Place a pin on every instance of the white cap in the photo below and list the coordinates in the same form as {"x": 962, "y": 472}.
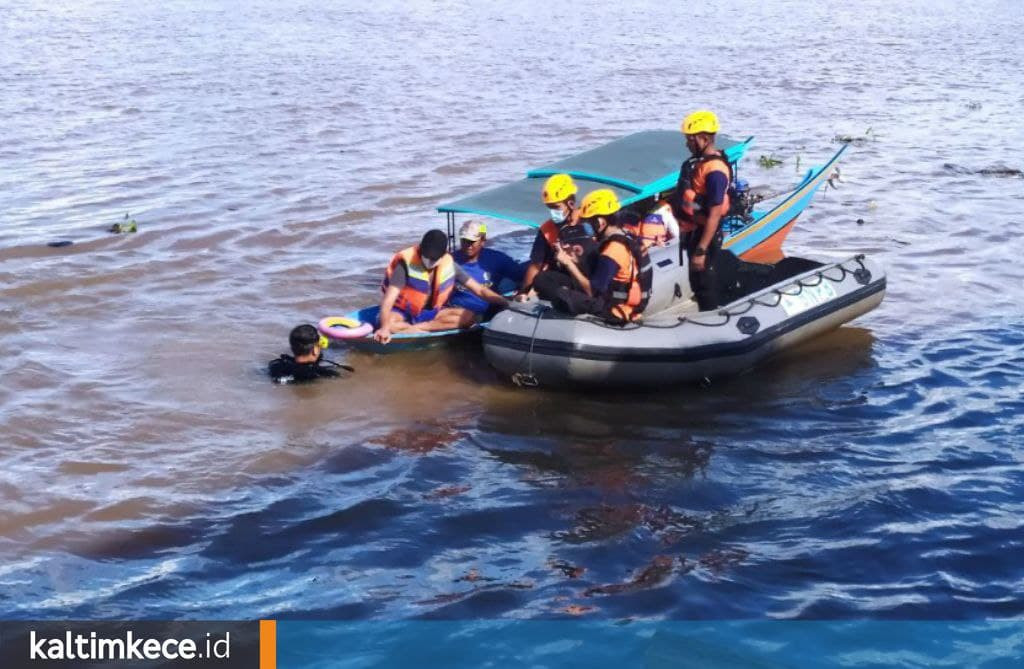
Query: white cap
{"x": 472, "y": 230}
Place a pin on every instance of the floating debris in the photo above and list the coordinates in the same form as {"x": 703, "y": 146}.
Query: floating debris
{"x": 834, "y": 178}
{"x": 570, "y": 570}
{"x": 769, "y": 161}
{"x": 654, "y": 574}
{"x": 856, "y": 139}
{"x": 995, "y": 171}
{"x": 127, "y": 225}
{"x": 1001, "y": 172}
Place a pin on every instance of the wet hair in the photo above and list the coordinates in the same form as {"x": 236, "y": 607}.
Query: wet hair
{"x": 303, "y": 338}
{"x": 434, "y": 245}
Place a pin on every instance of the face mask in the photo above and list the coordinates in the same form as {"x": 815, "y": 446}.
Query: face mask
{"x": 557, "y": 215}
{"x": 428, "y": 263}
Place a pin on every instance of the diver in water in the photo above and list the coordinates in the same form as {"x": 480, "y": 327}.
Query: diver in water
{"x": 305, "y": 363}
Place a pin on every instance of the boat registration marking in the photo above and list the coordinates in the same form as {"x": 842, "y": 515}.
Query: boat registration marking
{"x": 809, "y": 296}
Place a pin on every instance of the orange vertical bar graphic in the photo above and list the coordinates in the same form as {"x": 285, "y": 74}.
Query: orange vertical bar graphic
{"x": 268, "y": 644}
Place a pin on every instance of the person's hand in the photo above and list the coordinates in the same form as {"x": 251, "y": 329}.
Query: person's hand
{"x": 504, "y": 303}
{"x": 563, "y": 257}
{"x": 521, "y": 297}
{"x": 699, "y": 262}
{"x": 382, "y": 335}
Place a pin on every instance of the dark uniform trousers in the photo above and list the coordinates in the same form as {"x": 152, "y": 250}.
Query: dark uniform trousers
{"x": 704, "y": 284}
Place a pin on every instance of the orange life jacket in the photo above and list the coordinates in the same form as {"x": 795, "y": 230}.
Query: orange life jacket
{"x": 693, "y": 183}
{"x": 550, "y": 231}
{"x": 650, "y": 230}
{"x": 630, "y": 287}
{"x": 424, "y": 288}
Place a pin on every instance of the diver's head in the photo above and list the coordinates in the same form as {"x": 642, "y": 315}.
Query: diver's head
{"x": 305, "y": 342}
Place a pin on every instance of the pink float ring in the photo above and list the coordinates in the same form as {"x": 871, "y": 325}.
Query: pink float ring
{"x": 343, "y": 327}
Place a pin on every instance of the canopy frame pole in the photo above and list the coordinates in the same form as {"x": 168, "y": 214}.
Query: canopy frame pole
{"x": 450, "y": 215}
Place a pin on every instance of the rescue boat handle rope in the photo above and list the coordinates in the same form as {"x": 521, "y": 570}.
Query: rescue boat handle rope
{"x": 801, "y": 283}
{"x": 528, "y": 380}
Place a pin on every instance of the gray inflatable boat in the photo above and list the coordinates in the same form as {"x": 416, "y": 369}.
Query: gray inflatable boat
{"x": 770, "y": 308}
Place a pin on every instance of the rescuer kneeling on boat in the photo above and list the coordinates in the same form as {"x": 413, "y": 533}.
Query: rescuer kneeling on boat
{"x": 417, "y": 284}
{"x": 620, "y": 285}
{"x": 700, "y": 201}
{"x": 562, "y": 231}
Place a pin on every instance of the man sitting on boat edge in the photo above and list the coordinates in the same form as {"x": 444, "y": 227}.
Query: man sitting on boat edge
{"x": 561, "y": 231}
{"x": 620, "y": 285}
{"x": 417, "y": 284}
{"x": 488, "y": 267}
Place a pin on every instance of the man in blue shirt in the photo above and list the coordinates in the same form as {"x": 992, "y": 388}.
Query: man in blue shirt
{"x": 485, "y": 266}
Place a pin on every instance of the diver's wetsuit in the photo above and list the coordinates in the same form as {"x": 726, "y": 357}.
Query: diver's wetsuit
{"x": 286, "y": 370}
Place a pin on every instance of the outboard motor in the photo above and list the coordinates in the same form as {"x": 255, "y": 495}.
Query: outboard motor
{"x": 742, "y": 200}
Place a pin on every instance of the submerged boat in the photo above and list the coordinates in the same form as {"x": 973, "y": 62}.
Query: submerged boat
{"x": 772, "y": 307}
{"x": 640, "y": 168}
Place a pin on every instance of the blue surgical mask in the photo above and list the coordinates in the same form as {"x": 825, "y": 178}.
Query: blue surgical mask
{"x": 557, "y": 215}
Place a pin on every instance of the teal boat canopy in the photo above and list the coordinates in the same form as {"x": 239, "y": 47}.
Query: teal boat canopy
{"x": 518, "y": 202}
{"x": 636, "y": 160}
{"x": 635, "y": 167}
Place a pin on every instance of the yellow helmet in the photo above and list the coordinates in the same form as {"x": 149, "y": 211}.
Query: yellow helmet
{"x": 700, "y": 121}
{"x": 600, "y": 202}
{"x": 558, "y": 188}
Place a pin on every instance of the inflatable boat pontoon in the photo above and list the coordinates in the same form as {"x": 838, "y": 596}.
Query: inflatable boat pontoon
{"x": 773, "y": 306}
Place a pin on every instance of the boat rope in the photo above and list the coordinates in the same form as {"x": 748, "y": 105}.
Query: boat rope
{"x": 811, "y": 281}
{"x": 529, "y": 380}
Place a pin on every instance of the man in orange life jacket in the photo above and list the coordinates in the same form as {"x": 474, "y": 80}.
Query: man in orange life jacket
{"x": 700, "y": 202}
{"x": 619, "y": 287}
{"x": 563, "y": 230}
{"x": 651, "y": 230}
{"x": 417, "y": 284}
